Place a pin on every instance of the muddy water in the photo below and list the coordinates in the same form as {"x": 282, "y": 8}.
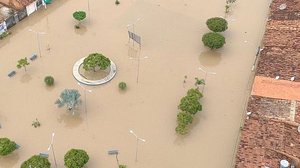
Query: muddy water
{"x": 172, "y": 48}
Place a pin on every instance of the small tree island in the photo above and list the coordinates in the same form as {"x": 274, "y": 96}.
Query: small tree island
{"x": 95, "y": 62}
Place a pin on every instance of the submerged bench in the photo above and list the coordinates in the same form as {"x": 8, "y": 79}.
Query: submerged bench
{"x": 11, "y": 74}
{"x": 33, "y": 57}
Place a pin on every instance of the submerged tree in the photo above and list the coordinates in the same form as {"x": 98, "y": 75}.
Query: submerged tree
{"x": 36, "y": 161}
{"x": 217, "y": 24}
{"x": 22, "y": 63}
{"x": 96, "y": 61}
{"x": 7, "y": 146}
{"x": 70, "y": 98}
{"x": 76, "y": 158}
{"x": 79, "y": 16}
{"x": 213, "y": 40}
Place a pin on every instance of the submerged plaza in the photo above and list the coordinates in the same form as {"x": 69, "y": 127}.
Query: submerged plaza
{"x": 149, "y": 83}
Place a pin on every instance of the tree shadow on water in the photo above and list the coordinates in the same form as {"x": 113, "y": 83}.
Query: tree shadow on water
{"x": 70, "y": 120}
{"x": 10, "y": 160}
{"x": 210, "y": 58}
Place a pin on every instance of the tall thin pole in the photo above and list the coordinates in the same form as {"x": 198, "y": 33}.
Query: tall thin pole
{"x": 137, "y": 144}
{"x": 136, "y": 149}
{"x": 85, "y": 108}
{"x": 53, "y": 155}
{"x": 205, "y": 76}
{"x": 204, "y": 81}
{"x": 39, "y": 45}
{"x": 51, "y": 147}
{"x": 138, "y": 69}
{"x": 89, "y": 10}
{"x": 117, "y": 160}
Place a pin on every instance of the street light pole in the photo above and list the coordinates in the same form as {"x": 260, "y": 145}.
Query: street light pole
{"x": 51, "y": 147}
{"x": 205, "y": 76}
{"x": 137, "y": 143}
{"x": 38, "y": 39}
{"x": 84, "y": 92}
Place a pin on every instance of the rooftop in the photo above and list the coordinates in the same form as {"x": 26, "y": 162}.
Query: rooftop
{"x": 270, "y": 132}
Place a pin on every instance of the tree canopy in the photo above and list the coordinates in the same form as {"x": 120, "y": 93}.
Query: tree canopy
{"x": 76, "y": 158}
{"x": 213, "y": 40}
{"x": 7, "y": 146}
{"x": 22, "y": 63}
{"x": 36, "y": 161}
{"x": 217, "y": 24}
{"x": 94, "y": 61}
{"x": 79, "y": 15}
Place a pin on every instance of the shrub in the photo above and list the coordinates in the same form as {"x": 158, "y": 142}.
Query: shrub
{"x": 217, "y": 24}
{"x": 122, "y": 85}
{"x": 7, "y": 146}
{"x": 36, "y": 161}
{"x": 76, "y": 158}
{"x": 94, "y": 61}
{"x": 213, "y": 40}
{"x": 194, "y": 93}
{"x": 184, "y": 118}
{"x": 190, "y": 104}
{"x": 181, "y": 129}
{"x": 79, "y": 16}
{"x": 49, "y": 80}
{"x": 117, "y": 2}
{"x": 22, "y": 63}
{"x": 4, "y": 34}
{"x": 122, "y": 166}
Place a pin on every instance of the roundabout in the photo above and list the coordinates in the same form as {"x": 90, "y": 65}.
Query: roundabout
{"x": 82, "y": 78}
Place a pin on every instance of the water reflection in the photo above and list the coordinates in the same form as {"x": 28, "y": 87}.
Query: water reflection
{"x": 210, "y": 58}
{"x": 70, "y": 120}
{"x": 81, "y": 30}
{"x": 26, "y": 78}
{"x": 132, "y": 52}
{"x": 10, "y": 160}
{"x": 180, "y": 139}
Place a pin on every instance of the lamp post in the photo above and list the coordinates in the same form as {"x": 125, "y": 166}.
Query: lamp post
{"x": 51, "y": 148}
{"x": 132, "y": 24}
{"x": 137, "y": 143}
{"x": 38, "y": 39}
{"x": 138, "y": 68}
{"x": 88, "y": 2}
{"x": 206, "y": 72}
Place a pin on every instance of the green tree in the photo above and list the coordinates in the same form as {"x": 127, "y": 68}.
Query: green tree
{"x": 190, "y": 104}
{"x": 213, "y": 40}
{"x": 7, "y": 146}
{"x": 76, "y": 158}
{"x": 181, "y": 129}
{"x": 94, "y": 61}
{"x": 194, "y": 93}
{"x": 217, "y": 24}
{"x": 70, "y": 98}
{"x": 122, "y": 85}
{"x": 22, "y": 63}
{"x": 36, "y": 161}
{"x": 184, "y": 118}
{"x": 49, "y": 80}
{"x": 79, "y": 16}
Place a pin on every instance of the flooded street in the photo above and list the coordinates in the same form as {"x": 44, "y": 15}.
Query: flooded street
{"x": 171, "y": 33}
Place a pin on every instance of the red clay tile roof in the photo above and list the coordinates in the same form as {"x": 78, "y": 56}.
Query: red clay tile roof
{"x": 271, "y": 134}
{"x": 16, "y": 4}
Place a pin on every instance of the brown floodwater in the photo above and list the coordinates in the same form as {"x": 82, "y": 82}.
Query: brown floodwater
{"x": 171, "y": 34}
